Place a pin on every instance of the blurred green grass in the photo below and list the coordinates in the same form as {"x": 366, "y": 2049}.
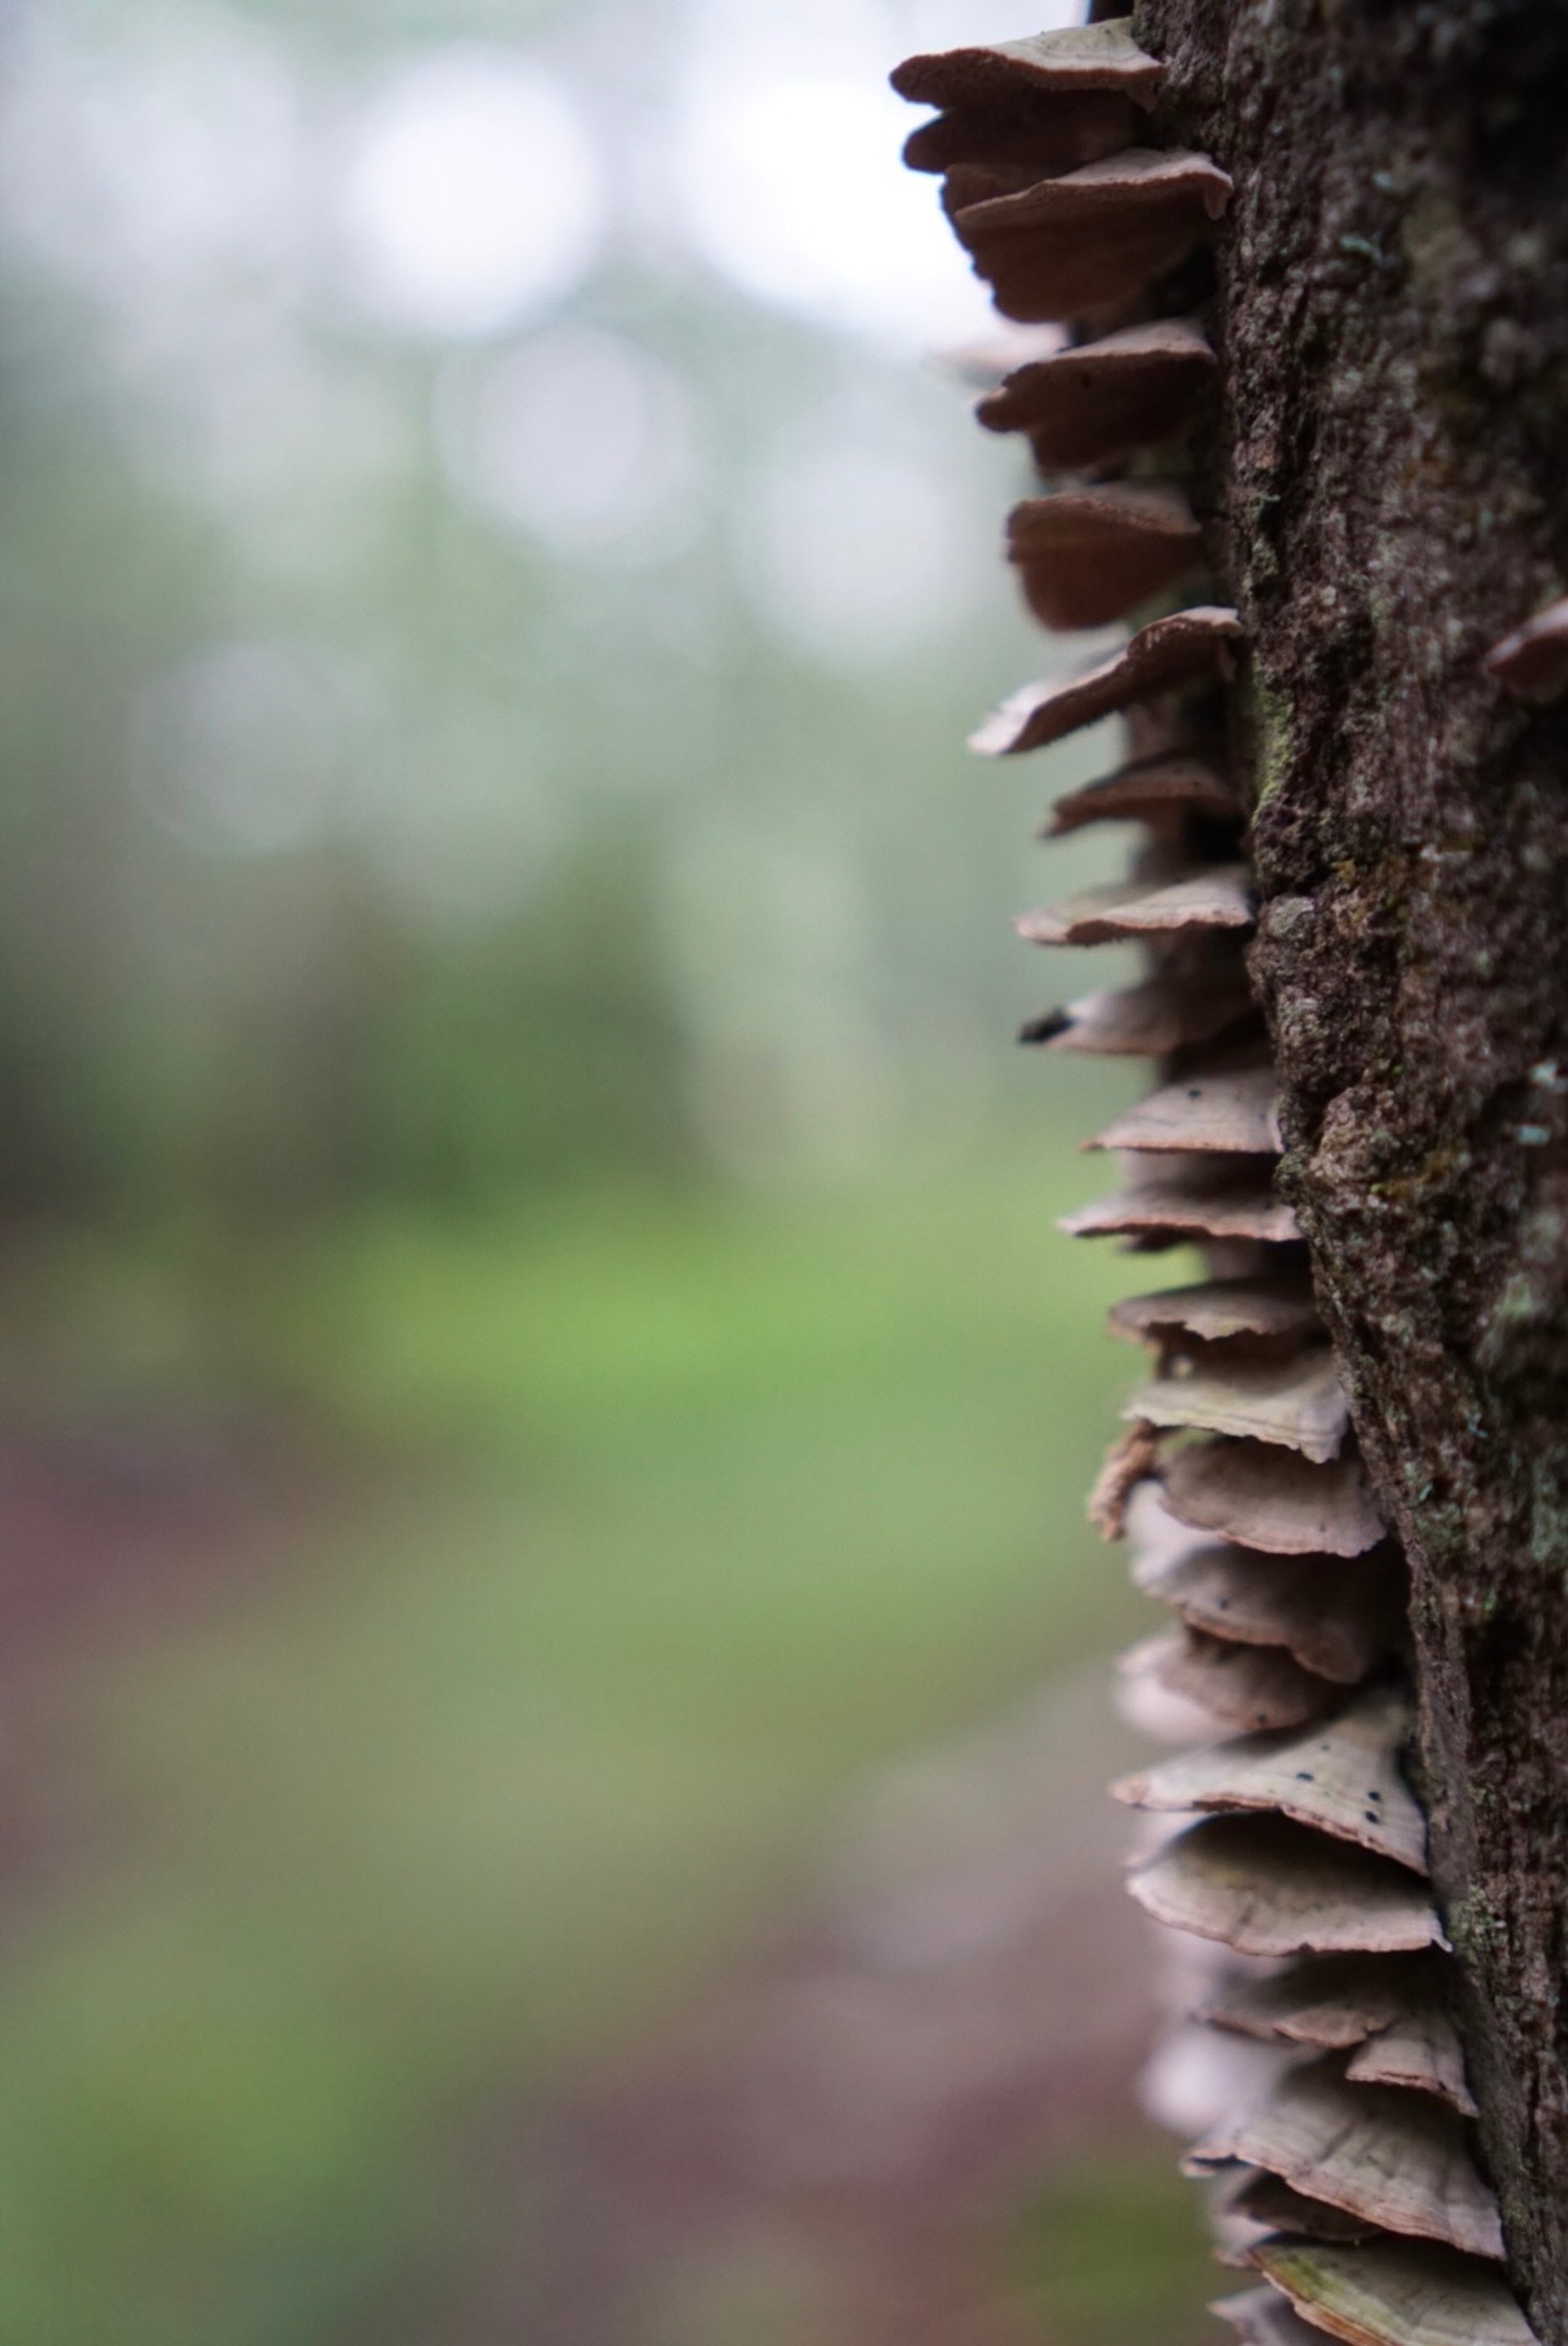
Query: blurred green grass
{"x": 686, "y": 1510}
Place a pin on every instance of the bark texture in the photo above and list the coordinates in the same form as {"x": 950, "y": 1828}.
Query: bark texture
{"x": 1392, "y": 467}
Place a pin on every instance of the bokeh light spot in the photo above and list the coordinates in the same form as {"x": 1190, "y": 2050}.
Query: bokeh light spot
{"x": 471, "y": 195}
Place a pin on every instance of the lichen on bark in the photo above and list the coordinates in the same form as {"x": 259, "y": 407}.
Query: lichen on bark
{"x": 1391, "y": 467}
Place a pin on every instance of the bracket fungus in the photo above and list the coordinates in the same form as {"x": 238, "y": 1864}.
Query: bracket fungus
{"x": 1169, "y": 655}
{"x": 1172, "y": 1199}
{"x": 1398, "y": 2160}
{"x": 1089, "y": 555}
{"x": 1218, "y": 1308}
{"x": 1342, "y": 1776}
{"x": 1351, "y": 2187}
{"x": 1339, "y": 1615}
{"x": 1299, "y": 1405}
{"x": 1533, "y": 662}
{"x": 1266, "y": 1886}
{"x": 1096, "y": 402}
{"x": 1215, "y": 897}
{"x": 1262, "y": 2317}
{"x": 1396, "y": 2293}
{"x": 1391, "y": 2015}
{"x": 1224, "y": 1110}
{"x": 1261, "y": 1496}
{"x": 1158, "y": 790}
{"x": 1092, "y": 238}
{"x": 1148, "y": 1020}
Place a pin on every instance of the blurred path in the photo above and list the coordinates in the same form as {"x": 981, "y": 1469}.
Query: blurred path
{"x": 834, "y": 2146}
{"x": 106, "y": 1533}
{"x": 838, "y": 2144}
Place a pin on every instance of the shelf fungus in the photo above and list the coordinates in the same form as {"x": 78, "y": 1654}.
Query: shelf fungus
{"x": 1266, "y": 1886}
{"x": 1163, "y": 791}
{"x": 1094, "y": 403}
{"x": 1263, "y": 2317}
{"x": 1341, "y": 1776}
{"x": 1392, "y": 2016}
{"x": 1346, "y": 2175}
{"x": 1086, "y": 557}
{"x": 1215, "y": 898}
{"x": 1089, "y": 238}
{"x": 1339, "y": 1615}
{"x": 1148, "y": 1020}
{"x": 1173, "y": 1199}
{"x": 1259, "y": 1495}
{"x": 1166, "y": 657}
{"x": 1533, "y": 662}
{"x": 1396, "y": 2293}
{"x": 1397, "y": 2160}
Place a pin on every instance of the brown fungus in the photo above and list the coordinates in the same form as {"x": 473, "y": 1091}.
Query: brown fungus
{"x": 1169, "y": 1199}
{"x": 1398, "y": 2160}
{"x": 1334, "y": 2003}
{"x": 1224, "y": 1107}
{"x": 1189, "y": 648}
{"x": 1298, "y": 1403}
{"x": 1219, "y": 1308}
{"x": 1094, "y": 237}
{"x": 1339, "y": 1615}
{"x": 1266, "y": 1886}
{"x": 1533, "y": 662}
{"x": 1089, "y": 555}
{"x": 1103, "y": 57}
{"x": 1096, "y": 403}
{"x": 1340, "y": 1776}
{"x": 1396, "y": 2293}
{"x": 1263, "y": 1497}
{"x": 1146, "y": 1021}
{"x": 1214, "y": 896}
{"x": 1163, "y": 791}
{"x": 1240, "y": 1687}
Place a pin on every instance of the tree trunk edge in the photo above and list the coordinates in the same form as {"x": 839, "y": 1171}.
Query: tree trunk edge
{"x": 1389, "y": 470}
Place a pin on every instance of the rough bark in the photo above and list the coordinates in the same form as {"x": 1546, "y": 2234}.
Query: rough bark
{"x": 1392, "y": 462}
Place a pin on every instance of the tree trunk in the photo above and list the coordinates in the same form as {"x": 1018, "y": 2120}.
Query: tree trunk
{"x": 1392, "y": 462}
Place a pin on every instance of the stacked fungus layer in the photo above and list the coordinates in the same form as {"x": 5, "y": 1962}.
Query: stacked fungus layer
{"x": 1313, "y": 2044}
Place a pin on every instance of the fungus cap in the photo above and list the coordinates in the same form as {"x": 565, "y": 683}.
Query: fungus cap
{"x": 1273, "y": 2205}
{"x": 1074, "y": 58}
{"x": 1188, "y": 647}
{"x": 1169, "y": 1199}
{"x": 1262, "y": 1496}
{"x": 1154, "y": 790}
{"x": 1243, "y": 1686}
{"x": 1042, "y": 131}
{"x": 1210, "y": 896}
{"x": 1298, "y": 1404}
{"x": 1218, "y": 1308}
{"x": 1396, "y": 2293}
{"x": 1094, "y": 237}
{"x": 1339, "y": 1616}
{"x": 1148, "y": 1021}
{"x": 1090, "y": 555}
{"x": 1266, "y": 1886}
{"x": 1227, "y": 1108}
{"x": 1333, "y": 2001}
{"x": 1420, "y": 2050}
{"x": 1340, "y": 1776}
{"x": 1533, "y": 662}
{"x": 1097, "y": 401}
{"x": 1398, "y": 2160}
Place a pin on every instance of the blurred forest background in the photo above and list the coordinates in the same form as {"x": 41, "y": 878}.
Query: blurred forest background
{"x": 545, "y": 1419}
